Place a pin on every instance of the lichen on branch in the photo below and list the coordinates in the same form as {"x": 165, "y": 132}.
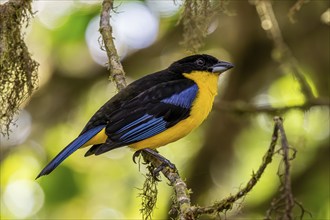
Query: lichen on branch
{"x": 195, "y": 19}
{"x": 117, "y": 73}
{"x": 18, "y": 76}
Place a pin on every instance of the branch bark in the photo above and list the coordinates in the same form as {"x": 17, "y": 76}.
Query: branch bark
{"x": 117, "y": 73}
{"x": 282, "y": 206}
{"x": 179, "y": 186}
{"x": 289, "y": 201}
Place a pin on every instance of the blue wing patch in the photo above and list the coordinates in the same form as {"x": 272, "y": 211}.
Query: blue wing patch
{"x": 136, "y": 132}
{"x": 134, "y": 123}
{"x": 183, "y": 99}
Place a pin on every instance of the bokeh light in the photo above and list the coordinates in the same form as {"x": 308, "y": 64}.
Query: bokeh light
{"x": 23, "y": 198}
{"x": 164, "y": 8}
{"x": 52, "y": 13}
{"x": 134, "y": 27}
{"x": 20, "y": 130}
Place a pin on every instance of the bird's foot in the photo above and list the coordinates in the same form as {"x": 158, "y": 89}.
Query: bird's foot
{"x": 164, "y": 162}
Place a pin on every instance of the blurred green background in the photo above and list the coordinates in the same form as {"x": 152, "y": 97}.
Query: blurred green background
{"x": 216, "y": 159}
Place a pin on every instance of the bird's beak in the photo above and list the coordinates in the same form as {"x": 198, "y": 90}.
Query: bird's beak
{"x": 221, "y": 67}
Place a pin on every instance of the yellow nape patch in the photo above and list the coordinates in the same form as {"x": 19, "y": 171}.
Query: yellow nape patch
{"x": 207, "y": 89}
{"x": 99, "y": 138}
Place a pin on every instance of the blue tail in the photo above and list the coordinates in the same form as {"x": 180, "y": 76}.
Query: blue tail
{"x": 68, "y": 150}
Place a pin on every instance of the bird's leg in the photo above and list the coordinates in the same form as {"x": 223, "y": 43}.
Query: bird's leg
{"x": 164, "y": 162}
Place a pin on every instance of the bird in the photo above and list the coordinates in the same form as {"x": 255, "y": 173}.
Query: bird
{"x": 153, "y": 111}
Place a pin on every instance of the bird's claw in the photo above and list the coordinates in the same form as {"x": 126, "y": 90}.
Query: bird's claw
{"x": 164, "y": 162}
{"x": 155, "y": 173}
{"x": 135, "y": 155}
{"x": 157, "y": 170}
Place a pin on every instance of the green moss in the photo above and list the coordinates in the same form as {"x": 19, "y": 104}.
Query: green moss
{"x": 149, "y": 195}
{"x": 18, "y": 76}
{"x": 195, "y": 18}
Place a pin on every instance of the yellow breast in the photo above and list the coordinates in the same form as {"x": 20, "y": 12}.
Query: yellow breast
{"x": 207, "y": 89}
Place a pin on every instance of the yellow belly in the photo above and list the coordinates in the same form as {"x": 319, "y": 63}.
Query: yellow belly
{"x": 207, "y": 89}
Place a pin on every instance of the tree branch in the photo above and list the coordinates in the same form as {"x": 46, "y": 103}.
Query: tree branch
{"x": 242, "y": 107}
{"x": 117, "y": 73}
{"x": 283, "y": 53}
{"x": 295, "y": 8}
{"x": 287, "y": 191}
{"x": 186, "y": 211}
{"x": 283, "y": 56}
{"x": 282, "y": 206}
{"x": 227, "y": 203}
{"x": 179, "y": 186}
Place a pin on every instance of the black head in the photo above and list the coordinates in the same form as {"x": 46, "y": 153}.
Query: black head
{"x": 199, "y": 62}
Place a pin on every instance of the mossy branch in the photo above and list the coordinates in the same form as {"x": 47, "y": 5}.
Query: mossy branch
{"x": 282, "y": 206}
{"x": 182, "y": 193}
{"x": 188, "y": 211}
{"x": 195, "y": 19}
{"x": 117, "y": 73}
{"x": 227, "y": 203}
{"x": 18, "y": 76}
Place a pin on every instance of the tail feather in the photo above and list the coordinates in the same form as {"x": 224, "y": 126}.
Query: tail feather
{"x": 68, "y": 150}
{"x": 92, "y": 150}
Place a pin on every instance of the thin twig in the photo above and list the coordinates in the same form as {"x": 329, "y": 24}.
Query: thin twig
{"x": 288, "y": 199}
{"x": 117, "y": 73}
{"x": 282, "y": 206}
{"x": 284, "y": 55}
{"x": 227, "y": 203}
{"x": 242, "y": 107}
{"x": 295, "y": 8}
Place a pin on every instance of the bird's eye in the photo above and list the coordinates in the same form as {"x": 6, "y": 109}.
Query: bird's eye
{"x": 200, "y": 62}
